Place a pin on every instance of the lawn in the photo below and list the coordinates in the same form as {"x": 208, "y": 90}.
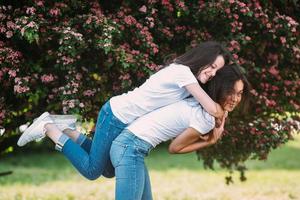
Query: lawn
{"x": 49, "y": 176}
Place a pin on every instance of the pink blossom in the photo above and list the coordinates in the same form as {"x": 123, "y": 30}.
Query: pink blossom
{"x": 81, "y": 105}
{"x": 120, "y": 14}
{"x": 2, "y": 29}
{"x": 283, "y": 40}
{"x": 31, "y": 24}
{"x": 78, "y": 76}
{"x": 254, "y": 92}
{"x": 181, "y": 4}
{"x": 135, "y": 52}
{"x": 235, "y": 16}
{"x": 30, "y": 10}
{"x": 155, "y": 50}
{"x": 231, "y": 1}
{"x": 242, "y": 4}
{"x": 9, "y": 34}
{"x": 140, "y": 74}
{"x": 71, "y": 104}
{"x": 54, "y": 12}
{"x": 2, "y": 114}
{"x": 67, "y": 60}
{"x": 12, "y": 73}
{"x": 40, "y": 3}
{"x": 130, "y": 20}
{"x": 89, "y": 93}
{"x": 20, "y": 89}
{"x": 270, "y": 103}
{"x": 235, "y": 56}
{"x": 243, "y": 10}
{"x": 152, "y": 66}
{"x": 89, "y": 20}
{"x": 247, "y": 38}
{"x": 273, "y": 71}
{"x": 143, "y": 9}
{"x": 287, "y": 82}
{"x": 125, "y": 77}
{"x": 274, "y": 88}
{"x": 47, "y": 78}
{"x": 10, "y": 25}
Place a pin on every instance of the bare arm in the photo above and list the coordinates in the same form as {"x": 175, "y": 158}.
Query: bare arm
{"x": 187, "y": 141}
{"x": 191, "y": 140}
{"x": 208, "y": 104}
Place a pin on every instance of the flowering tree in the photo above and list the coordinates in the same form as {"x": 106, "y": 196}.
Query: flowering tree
{"x": 71, "y": 56}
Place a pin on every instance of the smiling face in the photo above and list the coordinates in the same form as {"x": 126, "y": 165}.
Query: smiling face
{"x": 233, "y": 99}
{"x": 210, "y": 71}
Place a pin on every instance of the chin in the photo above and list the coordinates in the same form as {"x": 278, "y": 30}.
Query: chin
{"x": 203, "y": 81}
{"x": 229, "y": 109}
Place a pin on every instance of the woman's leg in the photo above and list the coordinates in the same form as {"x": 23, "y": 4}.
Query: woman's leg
{"x": 91, "y": 165}
{"x": 131, "y": 172}
{"x": 86, "y": 143}
{"x": 79, "y": 138}
{"x": 147, "y": 193}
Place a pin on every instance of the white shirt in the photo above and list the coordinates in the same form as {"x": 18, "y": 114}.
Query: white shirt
{"x": 162, "y": 88}
{"x": 168, "y": 122}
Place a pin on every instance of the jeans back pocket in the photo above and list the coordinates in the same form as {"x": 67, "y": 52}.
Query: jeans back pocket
{"x": 117, "y": 152}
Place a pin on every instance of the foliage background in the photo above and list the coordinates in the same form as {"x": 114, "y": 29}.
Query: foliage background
{"x": 71, "y": 56}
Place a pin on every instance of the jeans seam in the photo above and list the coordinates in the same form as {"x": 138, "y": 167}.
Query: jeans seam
{"x": 135, "y": 179}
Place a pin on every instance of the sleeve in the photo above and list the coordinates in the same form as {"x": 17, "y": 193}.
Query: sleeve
{"x": 183, "y": 75}
{"x": 202, "y": 121}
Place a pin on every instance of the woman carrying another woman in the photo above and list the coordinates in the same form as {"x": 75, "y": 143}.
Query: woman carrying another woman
{"x": 186, "y": 121}
{"x": 169, "y": 85}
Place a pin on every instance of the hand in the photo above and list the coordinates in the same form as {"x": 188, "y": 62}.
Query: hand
{"x": 219, "y": 120}
{"x": 217, "y": 132}
{"x": 220, "y": 111}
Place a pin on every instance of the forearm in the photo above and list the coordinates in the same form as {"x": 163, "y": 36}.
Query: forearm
{"x": 202, "y": 97}
{"x": 192, "y": 147}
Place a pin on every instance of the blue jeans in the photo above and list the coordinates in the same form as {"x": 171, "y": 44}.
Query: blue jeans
{"x": 91, "y": 158}
{"x": 127, "y": 155}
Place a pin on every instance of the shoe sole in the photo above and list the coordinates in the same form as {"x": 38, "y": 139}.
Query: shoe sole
{"x": 32, "y": 126}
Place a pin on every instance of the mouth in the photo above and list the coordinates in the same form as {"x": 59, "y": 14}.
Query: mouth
{"x": 231, "y": 106}
{"x": 208, "y": 77}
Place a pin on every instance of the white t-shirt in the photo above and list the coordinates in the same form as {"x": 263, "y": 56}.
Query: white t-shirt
{"x": 168, "y": 122}
{"x": 162, "y": 88}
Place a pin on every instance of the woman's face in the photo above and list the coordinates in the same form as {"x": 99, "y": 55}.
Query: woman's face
{"x": 235, "y": 97}
{"x": 210, "y": 71}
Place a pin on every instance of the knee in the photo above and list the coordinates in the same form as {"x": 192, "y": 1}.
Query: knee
{"x": 92, "y": 177}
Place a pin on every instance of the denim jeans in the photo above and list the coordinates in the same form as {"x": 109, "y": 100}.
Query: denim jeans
{"x": 132, "y": 179}
{"x": 91, "y": 158}
{"x": 86, "y": 143}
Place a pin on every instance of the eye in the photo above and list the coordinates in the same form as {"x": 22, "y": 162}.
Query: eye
{"x": 240, "y": 94}
{"x": 213, "y": 66}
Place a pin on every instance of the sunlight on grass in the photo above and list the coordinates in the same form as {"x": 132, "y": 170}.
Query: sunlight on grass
{"x": 49, "y": 176}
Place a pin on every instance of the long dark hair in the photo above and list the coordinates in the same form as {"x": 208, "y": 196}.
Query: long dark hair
{"x": 202, "y": 55}
{"x": 222, "y": 85}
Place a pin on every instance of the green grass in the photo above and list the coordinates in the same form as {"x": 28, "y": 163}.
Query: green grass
{"x": 49, "y": 176}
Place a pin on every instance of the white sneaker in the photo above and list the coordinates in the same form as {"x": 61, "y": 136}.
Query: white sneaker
{"x": 36, "y": 130}
{"x": 64, "y": 119}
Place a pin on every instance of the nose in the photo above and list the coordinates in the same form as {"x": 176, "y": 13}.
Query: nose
{"x": 213, "y": 73}
{"x": 234, "y": 98}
